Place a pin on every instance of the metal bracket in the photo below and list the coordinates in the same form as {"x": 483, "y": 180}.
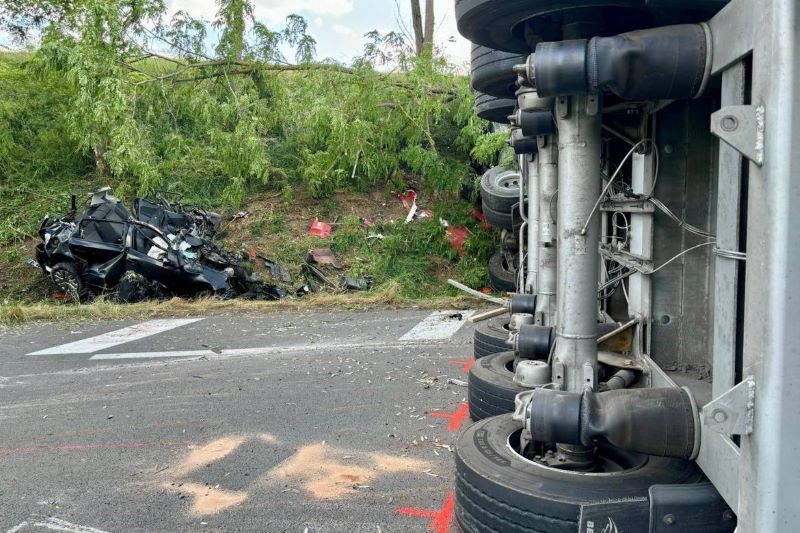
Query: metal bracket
{"x": 627, "y": 259}
{"x": 562, "y": 107}
{"x": 592, "y": 104}
{"x": 627, "y": 206}
{"x": 558, "y": 374}
{"x": 742, "y": 127}
{"x": 733, "y": 412}
{"x": 588, "y": 377}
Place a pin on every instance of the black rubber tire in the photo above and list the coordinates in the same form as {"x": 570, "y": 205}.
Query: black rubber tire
{"x": 490, "y": 336}
{"x": 516, "y": 26}
{"x": 68, "y": 279}
{"x": 500, "y": 190}
{"x": 491, "y": 71}
{"x": 492, "y": 389}
{"x": 509, "y": 221}
{"x": 494, "y": 109}
{"x": 497, "y": 490}
{"x": 502, "y": 275}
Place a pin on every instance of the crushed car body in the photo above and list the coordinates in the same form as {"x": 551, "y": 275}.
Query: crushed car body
{"x": 170, "y": 245}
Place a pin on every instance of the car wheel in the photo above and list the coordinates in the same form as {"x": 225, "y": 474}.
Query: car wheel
{"x": 66, "y": 277}
{"x": 492, "y": 389}
{"x": 490, "y": 336}
{"x": 500, "y": 190}
{"x": 498, "y": 489}
{"x": 502, "y": 273}
{"x": 494, "y": 109}
{"x": 491, "y": 71}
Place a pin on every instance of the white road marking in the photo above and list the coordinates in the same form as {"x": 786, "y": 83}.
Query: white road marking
{"x": 115, "y": 338}
{"x": 17, "y": 527}
{"x": 437, "y": 326}
{"x": 56, "y": 524}
{"x": 268, "y": 350}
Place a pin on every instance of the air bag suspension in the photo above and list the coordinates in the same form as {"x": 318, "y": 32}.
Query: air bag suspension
{"x": 661, "y": 422}
{"x": 660, "y": 63}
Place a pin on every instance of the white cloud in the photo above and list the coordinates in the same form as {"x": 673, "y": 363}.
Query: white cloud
{"x": 342, "y": 30}
{"x": 272, "y": 10}
{"x": 277, "y": 10}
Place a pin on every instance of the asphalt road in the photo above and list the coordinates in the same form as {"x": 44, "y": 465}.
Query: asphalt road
{"x": 297, "y": 422}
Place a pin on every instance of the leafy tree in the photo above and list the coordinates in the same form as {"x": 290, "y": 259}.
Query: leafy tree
{"x": 154, "y": 106}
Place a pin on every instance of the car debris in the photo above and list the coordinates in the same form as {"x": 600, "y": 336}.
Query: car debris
{"x": 278, "y": 272}
{"x": 169, "y": 246}
{"x": 356, "y": 284}
{"x": 320, "y": 229}
{"x": 323, "y": 256}
{"x": 409, "y": 201}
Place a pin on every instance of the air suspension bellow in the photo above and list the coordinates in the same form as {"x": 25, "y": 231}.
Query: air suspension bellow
{"x": 534, "y": 342}
{"x": 662, "y": 422}
{"x": 522, "y": 144}
{"x": 533, "y": 123}
{"x": 660, "y": 63}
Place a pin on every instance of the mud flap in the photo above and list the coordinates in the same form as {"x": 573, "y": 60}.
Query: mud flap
{"x": 619, "y": 516}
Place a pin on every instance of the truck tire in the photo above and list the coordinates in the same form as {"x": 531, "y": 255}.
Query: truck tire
{"x": 491, "y": 71}
{"x": 502, "y": 274}
{"x": 499, "y": 490}
{"x": 516, "y": 26}
{"x": 490, "y": 336}
{"x": 500, "y": 220}
{"x": 492, "y": 389}
{"x": 494, "y": 109}
{"x": 500, "y": 190}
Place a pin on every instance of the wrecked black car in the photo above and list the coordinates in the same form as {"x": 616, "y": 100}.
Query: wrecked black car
{"x": 163, "y": 248}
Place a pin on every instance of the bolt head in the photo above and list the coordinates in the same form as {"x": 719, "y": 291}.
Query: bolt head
{"x": 729, "y": 123}
{"x": 669, "y": 519}
{"x": 720, "y": 416}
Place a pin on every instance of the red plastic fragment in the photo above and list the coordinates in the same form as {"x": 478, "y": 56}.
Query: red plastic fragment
{"x": 457, "y": 236}
{"x": 320, "y": 229}
{"x": 481, "y": 218}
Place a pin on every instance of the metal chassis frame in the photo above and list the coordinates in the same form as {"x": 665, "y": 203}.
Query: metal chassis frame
{"x": 760, "y": 478}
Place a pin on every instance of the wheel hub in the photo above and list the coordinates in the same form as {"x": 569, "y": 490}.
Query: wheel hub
{"x": 602, "y": 460}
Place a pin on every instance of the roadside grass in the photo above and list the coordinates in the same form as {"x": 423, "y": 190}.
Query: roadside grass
{"x": 409, "y": 263}
{"x": 386, "y": 297}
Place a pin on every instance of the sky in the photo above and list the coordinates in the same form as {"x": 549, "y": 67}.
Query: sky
{"x": 339, "y": 25}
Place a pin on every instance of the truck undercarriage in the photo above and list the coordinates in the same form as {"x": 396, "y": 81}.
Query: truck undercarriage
{"x": 644, "y": 377}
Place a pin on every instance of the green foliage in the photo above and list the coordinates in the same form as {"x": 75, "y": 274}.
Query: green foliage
{"x": 101, "y": 102}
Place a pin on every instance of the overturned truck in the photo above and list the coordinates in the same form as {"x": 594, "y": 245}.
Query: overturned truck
{"x": 160, "y": 249}
{"x": 646, "y": 377}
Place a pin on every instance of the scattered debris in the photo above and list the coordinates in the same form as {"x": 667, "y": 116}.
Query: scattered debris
{"x": 323, "y": 256}
{"x": 278, "y": 272}
{"x": 320, "y": 229}
{"x": 458, "y": 382}
{"x": 409, "y": 201}
{"x": 310, "y": 271}
{"x": 356, "y": 284}
{"x": 457, "y": 235}
{"x": 240, "y": 215}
